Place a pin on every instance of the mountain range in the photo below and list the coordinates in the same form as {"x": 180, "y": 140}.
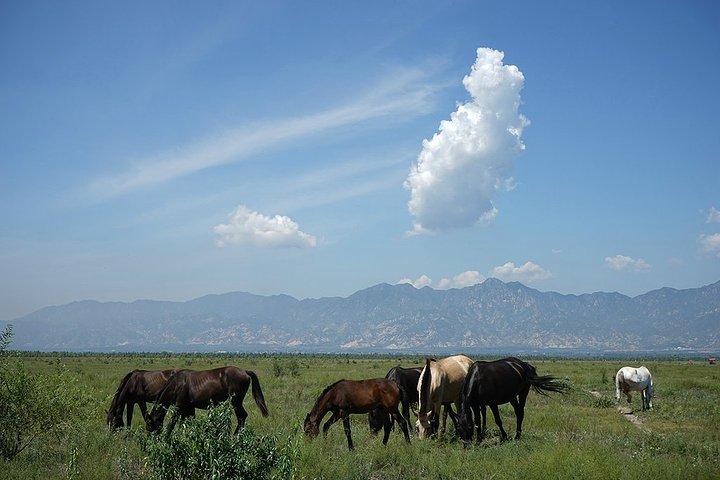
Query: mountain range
{"x": 492, "y": 316}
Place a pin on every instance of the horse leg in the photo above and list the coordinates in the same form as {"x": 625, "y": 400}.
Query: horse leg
{"x": 476, "y": 421}
{"x": 483, "y": 431}
{"x": 498, "y": 422}
{"x": 333, "y": 418}
{"x": 406, "y": 413}
{"x": 130, "y": 408}
{"x": 387, "y": 426}
{"x": 519, "y": 414}
{"x": 453, "y": 415}
{"x": 403, "y": 425}
{"x": 143, "y": 409}
{"x": 241, "y": 414}
{"x": 519, "y": 408}
{"x": 444, "y": 421}
{"x": 348, "y": 433}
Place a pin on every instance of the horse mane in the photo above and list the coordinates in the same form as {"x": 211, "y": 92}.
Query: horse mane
{"x": 424, "y": 387}
{"x": 322, "y": 394}
{"x": 116, "y": 396}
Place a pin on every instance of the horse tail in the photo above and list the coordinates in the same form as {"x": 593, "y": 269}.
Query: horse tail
{"x": 547, "y": 383}
{"x": 258, "y": 394}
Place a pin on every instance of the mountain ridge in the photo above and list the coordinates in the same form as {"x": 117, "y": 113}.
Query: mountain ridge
{"x": 491, "y": 315}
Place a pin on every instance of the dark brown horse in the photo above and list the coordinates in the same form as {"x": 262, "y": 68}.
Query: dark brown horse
{"x": 494, "y": 383}
{"x": 189, "y": 389}
{"x": 137, "y": 387}
{"x": 355, "y": 396}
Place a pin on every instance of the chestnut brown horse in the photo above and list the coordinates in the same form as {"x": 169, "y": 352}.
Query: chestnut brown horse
{"x": 345, "y": 397}
{"x": 137, "y": 387}
{"x": 494, "y": 383}
{"x": 189, "y": 389}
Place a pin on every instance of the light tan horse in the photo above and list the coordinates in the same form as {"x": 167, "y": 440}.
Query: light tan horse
{"x": 440, "y": 383}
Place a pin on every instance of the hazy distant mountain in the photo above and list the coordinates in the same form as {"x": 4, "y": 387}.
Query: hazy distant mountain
{"x": 491, "y": 316}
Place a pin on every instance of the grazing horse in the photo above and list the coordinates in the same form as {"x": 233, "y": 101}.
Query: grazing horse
{"x": 189, "y": 389}
{"x": 495, "y": 383}
{"x": 356, "y": 396}
{"x": 138, "y": 386}
{"x": 630, "y": 379}
{"x": 406, "y": 380}
{"x": 440, "y": 383}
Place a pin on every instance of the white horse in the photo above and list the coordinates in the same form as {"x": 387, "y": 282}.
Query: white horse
{"x": 630, "y": 379}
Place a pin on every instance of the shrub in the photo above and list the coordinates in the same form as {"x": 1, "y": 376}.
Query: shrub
{"x": 33, "y": 406}
{"x": 204, "y": 447}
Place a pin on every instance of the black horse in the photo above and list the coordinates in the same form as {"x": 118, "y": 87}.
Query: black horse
{"x": 189, "y": 389}
{"x": 406, "y": 380}
{"x": 495, "y": 383}
{"x": 137, "y": 387}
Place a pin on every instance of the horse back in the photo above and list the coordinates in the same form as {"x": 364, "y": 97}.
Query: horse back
{"x": 447, "y": 377}
{"x": 498, "y": 381}
{"x": 407, "y": 379}
{"x": 363, "y": 396}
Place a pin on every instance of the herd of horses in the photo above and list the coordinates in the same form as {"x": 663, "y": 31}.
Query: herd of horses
{"x": 470, "y": 386}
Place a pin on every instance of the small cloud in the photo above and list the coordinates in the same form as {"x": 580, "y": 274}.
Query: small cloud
{"x": 461, "y": 280}
{"x": 246, "y": 227}
{"x": 623, "y": 262}
{"x": 676, "y": 262}
{"x": 528, "y": 272}
{"x": 420, "y": 282}
{"x": 713, "y": 216}
{"x": 710, "y": 244}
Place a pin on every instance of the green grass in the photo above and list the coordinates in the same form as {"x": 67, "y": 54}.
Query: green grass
{"x": 572, "y": 436}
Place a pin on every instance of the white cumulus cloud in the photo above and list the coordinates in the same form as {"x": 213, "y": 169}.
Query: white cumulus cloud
{"x": 246, "y": 227}
{"x": 461, "y": 280}
{"x": 528, "y": 272}
{"x": 420, "y": 282}
{"x": 469, "y": 159}
{"x": 710, "y": 243}
{"x": 623, "y": 262}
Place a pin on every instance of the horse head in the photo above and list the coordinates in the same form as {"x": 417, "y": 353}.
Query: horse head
{"x": 376, "y": 420}
{"x": 312, "y": 429}
{"x": 465, "y": 425}
{"x": 154, "y": 419}
{"x": 114, "y": 419}
{"x": 424, "y": 425}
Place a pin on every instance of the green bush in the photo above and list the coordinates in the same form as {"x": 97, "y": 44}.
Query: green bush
{"x": 34, "y": 407}
{"x": 204, "y": 447}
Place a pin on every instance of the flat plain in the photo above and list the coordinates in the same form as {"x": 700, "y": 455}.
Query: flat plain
{"x": 581, "y": 434}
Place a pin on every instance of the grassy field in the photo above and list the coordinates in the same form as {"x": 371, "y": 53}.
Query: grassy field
{"x": 578, "y": 435}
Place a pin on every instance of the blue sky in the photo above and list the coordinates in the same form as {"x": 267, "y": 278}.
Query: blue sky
{"x": 169, "y": 150}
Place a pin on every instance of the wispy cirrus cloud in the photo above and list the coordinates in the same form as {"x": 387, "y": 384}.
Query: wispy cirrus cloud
{"x": 406, "y": 93}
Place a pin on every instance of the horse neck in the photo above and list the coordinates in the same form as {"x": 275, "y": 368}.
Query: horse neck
{"x": 320, "y": 408}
